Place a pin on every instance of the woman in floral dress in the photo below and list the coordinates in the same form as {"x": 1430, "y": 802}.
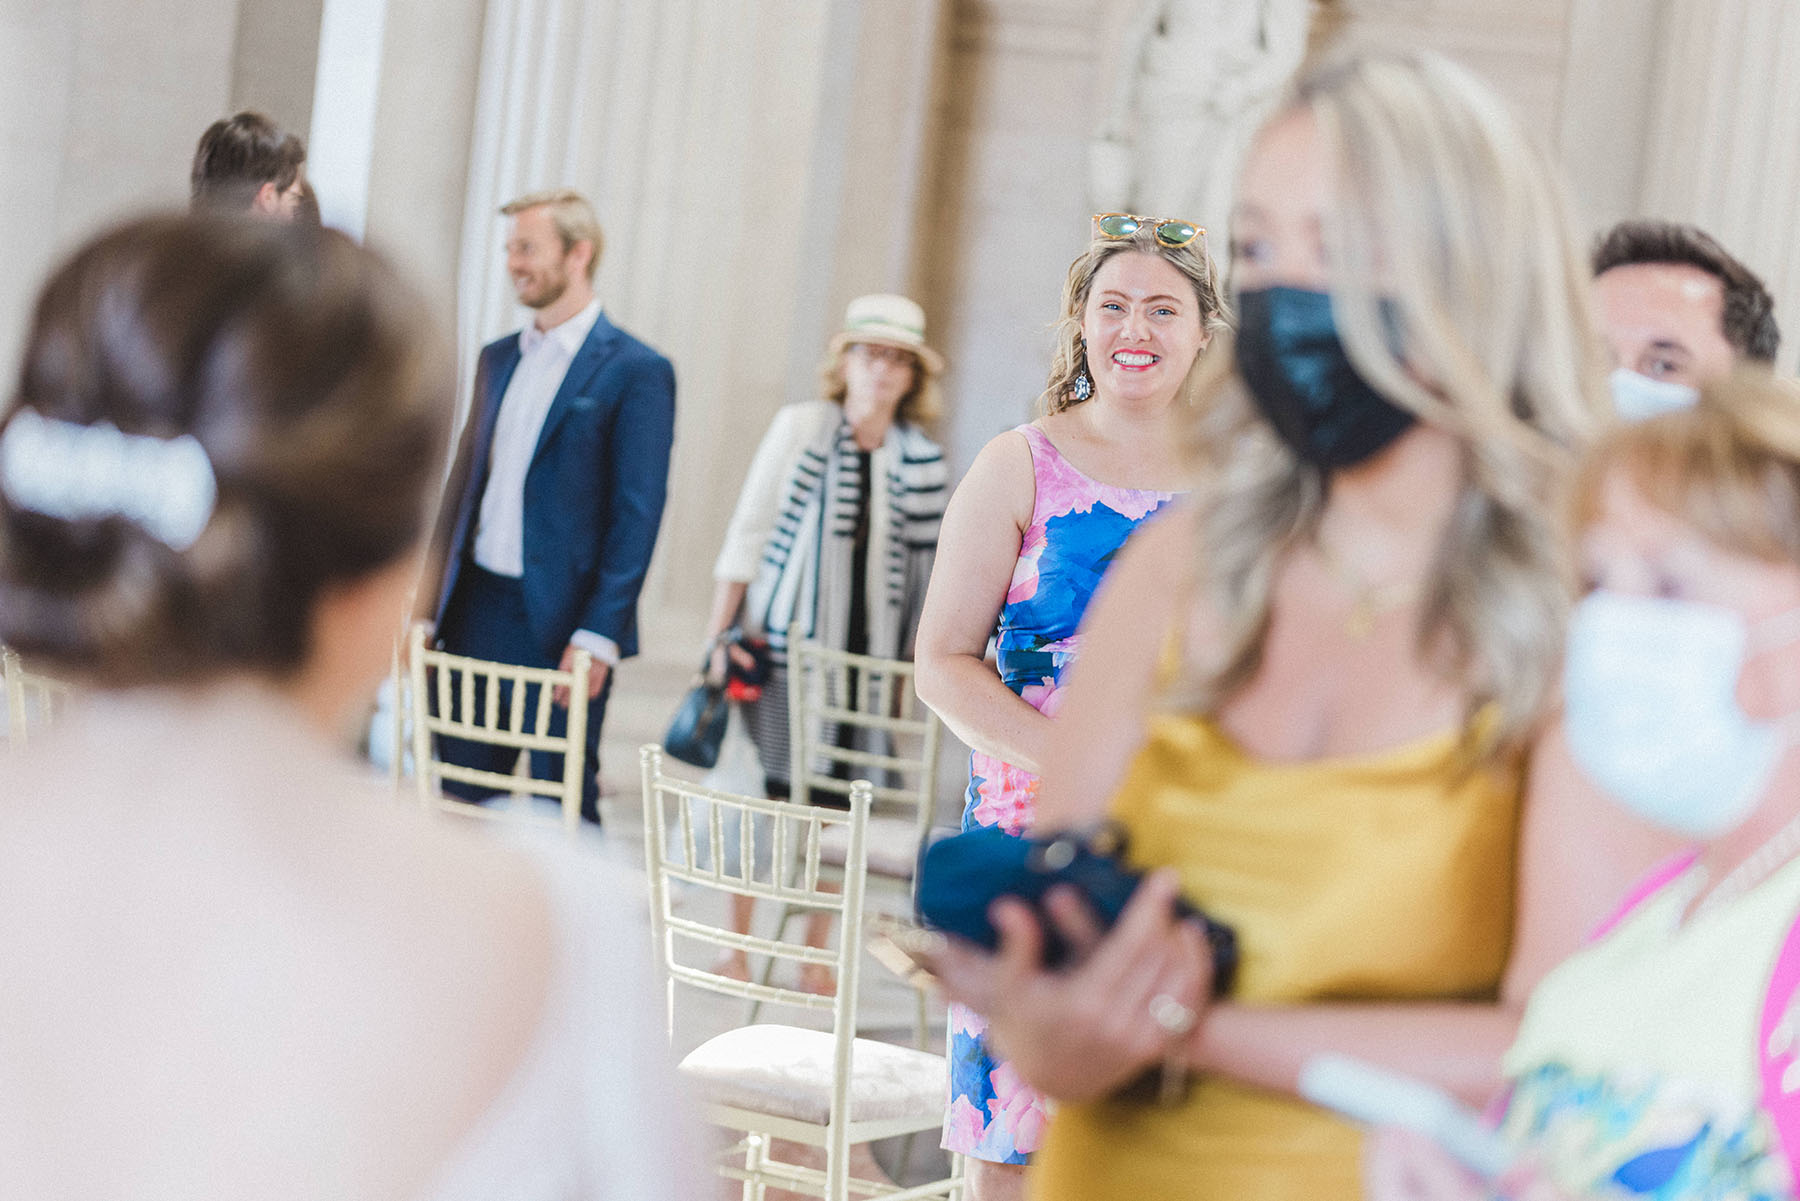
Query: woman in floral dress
{"x": 1026, "y": 539}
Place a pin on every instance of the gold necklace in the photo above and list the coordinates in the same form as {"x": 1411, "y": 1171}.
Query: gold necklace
{"x": 1369, "y": 602}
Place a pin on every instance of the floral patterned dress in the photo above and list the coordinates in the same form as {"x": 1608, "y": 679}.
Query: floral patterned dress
{"x": 1077, "y": 527}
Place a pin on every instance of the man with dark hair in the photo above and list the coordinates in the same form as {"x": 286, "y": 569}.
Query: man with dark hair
{"x": 247, "y": 163}
{"x": 1676, "y": 309}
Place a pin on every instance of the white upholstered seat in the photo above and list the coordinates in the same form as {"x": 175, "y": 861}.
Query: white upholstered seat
{"x": 893, "y": 847}
{"x": 787, "y": 1071}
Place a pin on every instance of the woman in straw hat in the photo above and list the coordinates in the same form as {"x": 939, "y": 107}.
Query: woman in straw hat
{"x": 837, "y": 523}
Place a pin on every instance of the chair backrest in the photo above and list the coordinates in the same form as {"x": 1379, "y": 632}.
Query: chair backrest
{"x": 504, "y": 705}
{"x": 858, "y": 716}
{"x": 687, "y": 829}
{"x": 32, "y": 699}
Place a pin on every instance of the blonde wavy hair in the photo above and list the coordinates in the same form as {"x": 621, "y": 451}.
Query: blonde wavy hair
{"x": 1070, "y": 359}
{"x": 1445, "y": 201}
{"x": 1729, "y": 467}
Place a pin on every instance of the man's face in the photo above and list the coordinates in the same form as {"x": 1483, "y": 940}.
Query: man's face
{"x": 536, "y": 260}
{"x": 1662, "y": 320}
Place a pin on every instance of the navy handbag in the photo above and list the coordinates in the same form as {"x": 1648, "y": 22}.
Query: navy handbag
{"x": 960, "y": 876}
{"x": 698, "y": 728}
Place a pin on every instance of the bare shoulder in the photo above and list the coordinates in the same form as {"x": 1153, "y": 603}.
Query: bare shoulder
{"x": 1149, "y": 601}
{"x": 1113, "y": 685}
{"x": 1001, "y": 479}
{"x": 1158, "y": 561}
{"x": 1006, "y": 456}
{"x": 1579, "y": 854}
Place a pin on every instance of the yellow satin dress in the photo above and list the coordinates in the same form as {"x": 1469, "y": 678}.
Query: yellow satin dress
{"x": 1386, "y": 876}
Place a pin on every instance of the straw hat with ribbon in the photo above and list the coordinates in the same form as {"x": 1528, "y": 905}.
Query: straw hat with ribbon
{"x": 887, "y": 320}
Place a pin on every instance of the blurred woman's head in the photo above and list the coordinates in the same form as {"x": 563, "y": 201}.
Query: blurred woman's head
{"x": 1683, "y": 658}
{"x": 1404, "y": 188}
{"x": 881, "y": 359}
{"x": 1401, "y": 255}
{"x": 217, "y": 424}
{"x": 1176, "y": 288}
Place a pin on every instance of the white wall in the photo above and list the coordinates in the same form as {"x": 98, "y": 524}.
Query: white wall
{"x": 424, "y": 119}
{"x": 100, "y": 105}
{"x": 273, "y": 63}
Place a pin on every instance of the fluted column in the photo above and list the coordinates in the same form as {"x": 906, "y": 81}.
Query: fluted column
{"x": 1723, "y": 144}
{"x": 723, "y": 144}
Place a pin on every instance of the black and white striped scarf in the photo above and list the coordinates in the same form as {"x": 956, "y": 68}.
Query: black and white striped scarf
{"x": 804, "y": 576}
{"x": 804, "y": 579}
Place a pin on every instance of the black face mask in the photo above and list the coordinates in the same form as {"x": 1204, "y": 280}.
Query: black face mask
{"x": 1289, "y": 353}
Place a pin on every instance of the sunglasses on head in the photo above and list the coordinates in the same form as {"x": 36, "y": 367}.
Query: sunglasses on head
{"x": 1170, "y": 231}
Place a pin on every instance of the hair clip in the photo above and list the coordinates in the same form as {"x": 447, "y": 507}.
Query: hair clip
{"x": 86, "y": 472}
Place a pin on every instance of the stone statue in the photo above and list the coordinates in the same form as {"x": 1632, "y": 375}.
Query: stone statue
{"x": 1191, "y": 79}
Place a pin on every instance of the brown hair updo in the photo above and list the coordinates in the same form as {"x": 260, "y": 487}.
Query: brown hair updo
{"x": 320, "y": 392}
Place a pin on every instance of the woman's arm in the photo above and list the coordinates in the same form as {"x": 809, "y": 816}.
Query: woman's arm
{"x": 754, "y": 516}
{"x": 1579, "y": 855}
{"x": 1112, "y": 684}
{"x": 1455, "y": 1045}
{"x": 978, "y": 548}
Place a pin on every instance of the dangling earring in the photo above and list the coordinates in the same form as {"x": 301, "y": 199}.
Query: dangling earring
{"x": 1084, "y": 387}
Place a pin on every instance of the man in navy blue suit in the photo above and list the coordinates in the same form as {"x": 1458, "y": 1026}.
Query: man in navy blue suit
{"x": 551, "y": 510}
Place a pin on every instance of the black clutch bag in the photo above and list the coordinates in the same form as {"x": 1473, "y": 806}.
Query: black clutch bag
{"x": 960, "y": 876}
{"x": 698, "y": 728}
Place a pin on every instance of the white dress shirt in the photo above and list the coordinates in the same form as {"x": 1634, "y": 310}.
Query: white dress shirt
{"x": 544, "y": 357}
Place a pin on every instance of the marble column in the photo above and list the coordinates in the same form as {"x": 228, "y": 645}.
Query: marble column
{"x": 692, "y": 126}
{"x": 100, "y": 106}
{"x": 1722, "y": 147}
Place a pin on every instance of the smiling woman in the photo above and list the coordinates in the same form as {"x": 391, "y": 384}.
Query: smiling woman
{"x": 1027, "y": 537}
{"x": 1308, "y": 696}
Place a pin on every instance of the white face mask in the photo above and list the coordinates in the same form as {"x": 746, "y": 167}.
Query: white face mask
{"x": 1637, "y": 397}
{"x": 1651, "y": 712}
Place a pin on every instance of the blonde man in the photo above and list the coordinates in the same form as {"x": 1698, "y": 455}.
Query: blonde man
{"x": 551, "y": 511}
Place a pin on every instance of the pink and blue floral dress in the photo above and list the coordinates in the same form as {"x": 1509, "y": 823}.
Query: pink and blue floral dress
{"x": 1078, "y": 526}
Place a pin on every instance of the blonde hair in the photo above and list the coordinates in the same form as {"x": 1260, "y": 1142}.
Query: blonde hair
{"x": 1729, "y": 467}
{"x": 1443, "y": 199}
{"x": 572, "y": 215}
{"x": 1070, "y": 359}
{"x": 922, "y": 405}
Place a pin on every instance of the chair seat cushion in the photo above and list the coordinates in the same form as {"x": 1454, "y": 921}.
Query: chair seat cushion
{"x": 893, "y": 844}
{"x": 785, "y": 1072}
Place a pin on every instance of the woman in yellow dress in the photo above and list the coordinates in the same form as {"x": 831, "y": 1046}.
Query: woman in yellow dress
{"x": 1311, "y": 694}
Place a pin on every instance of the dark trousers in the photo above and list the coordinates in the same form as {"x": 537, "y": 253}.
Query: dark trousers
{"x": 485, "y": 619}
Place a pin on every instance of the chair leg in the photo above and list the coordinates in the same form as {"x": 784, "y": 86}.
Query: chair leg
{"x": 837, "y": 1164}
{"x": 921, "y": 1020}
{"x": 756, "y": 1155}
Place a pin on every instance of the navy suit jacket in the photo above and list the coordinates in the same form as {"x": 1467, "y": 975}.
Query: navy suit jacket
{"x": 594, "y": 491}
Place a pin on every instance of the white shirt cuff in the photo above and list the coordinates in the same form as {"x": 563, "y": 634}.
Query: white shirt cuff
{"x": 598, "y": 645}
